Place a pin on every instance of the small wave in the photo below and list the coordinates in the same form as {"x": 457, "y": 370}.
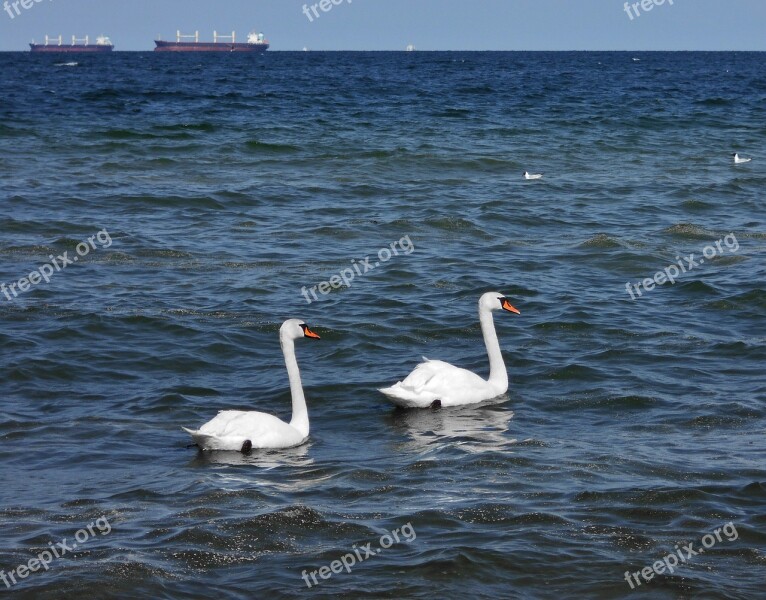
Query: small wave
{"x": 267, "y": 148}
{"x": 753, "y": 299}
{"x": 478, "y": 89}
{"x": 454, "y": 113}
{"x": 690, "y": 231}
{"x": 162, "y": 253}
{"x": 602, "y": 240}
{"x": 105, "y": 94}
{"x": 174, "y": 201}
{"x": 206, "y": 127}
{"x": 27, "y": 250}
{"x": 453, "y": 224}
{"x": 6, "y": 131}
{"x": 714, "y": 102}
{"x": 693, "y": 204}
{"x": 697, "y": 286}
{"x": 67, "y": 64}
{"x": 131, "y": 134}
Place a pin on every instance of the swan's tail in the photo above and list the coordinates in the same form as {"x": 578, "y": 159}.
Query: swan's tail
{"x": 406, "y": 398}
{"x": 205, "y": 442}
{"x": 391, "y": 392}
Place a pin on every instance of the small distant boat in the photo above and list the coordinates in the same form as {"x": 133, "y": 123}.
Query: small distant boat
{"x": 103, "y": 44}
{"x": 410, "y": 48}
{"x": 256, "y": 42}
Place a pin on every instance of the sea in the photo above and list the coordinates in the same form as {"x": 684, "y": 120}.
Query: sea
{"x": 162, "y": 215}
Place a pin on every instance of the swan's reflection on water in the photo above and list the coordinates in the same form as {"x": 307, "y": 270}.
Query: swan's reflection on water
{"x": 290, "y": 470}
{"x": 477, "y": 428}
{"x": 261, "y": 459}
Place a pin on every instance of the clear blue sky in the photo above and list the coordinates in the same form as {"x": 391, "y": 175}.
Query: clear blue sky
{"x": 392, "y": 24}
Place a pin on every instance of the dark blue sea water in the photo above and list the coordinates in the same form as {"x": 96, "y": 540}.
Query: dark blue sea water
{"x": 215, "y": 188}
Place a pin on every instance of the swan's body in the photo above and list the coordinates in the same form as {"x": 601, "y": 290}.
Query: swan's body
{"x": 529, "y": 176}
{"x": 437, "y": 383}
{"x": 242, "y": 431}
{"x": 739, "y": 161}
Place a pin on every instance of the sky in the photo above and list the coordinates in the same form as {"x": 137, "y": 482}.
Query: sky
{"x": 393, "y": 24}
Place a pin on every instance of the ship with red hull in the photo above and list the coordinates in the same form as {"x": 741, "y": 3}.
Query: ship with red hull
{"x": 255, "y": 43}
{"x": 57, "y": 45}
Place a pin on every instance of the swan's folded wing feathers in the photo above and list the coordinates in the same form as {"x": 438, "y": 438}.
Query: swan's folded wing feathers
{"x": 230, "y": 428}
{"x": 442, "y": 380}
{"x": 249, "y": 425}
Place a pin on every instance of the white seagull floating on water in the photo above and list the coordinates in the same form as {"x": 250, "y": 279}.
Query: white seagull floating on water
{"x": 528, "y": 176}
{"x": 739, "y": 161}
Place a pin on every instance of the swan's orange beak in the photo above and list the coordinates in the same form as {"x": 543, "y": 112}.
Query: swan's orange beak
{"x": 308, "y": 333}
{"x": 509, "y": 307}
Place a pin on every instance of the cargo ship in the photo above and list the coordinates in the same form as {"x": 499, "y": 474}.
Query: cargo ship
{"x": 255, "y": 43}
{"x": 103, "y": 44}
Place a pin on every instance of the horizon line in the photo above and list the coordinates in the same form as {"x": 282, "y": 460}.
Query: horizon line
{"x": 301, "y": 50}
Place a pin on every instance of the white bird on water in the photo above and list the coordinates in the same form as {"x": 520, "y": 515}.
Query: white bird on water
{"x": 528, "y": 175}
{"x": 242, "y": 431}
{"x": 738, "y": 160}
{"x": 435, "y": 383}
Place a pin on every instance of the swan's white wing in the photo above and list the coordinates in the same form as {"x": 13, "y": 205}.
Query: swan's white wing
{"x": 230, "y": 428}
{"x": 438, "y": 380}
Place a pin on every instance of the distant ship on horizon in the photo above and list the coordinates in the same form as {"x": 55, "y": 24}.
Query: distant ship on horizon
{"x": 256, "y": 42}
{"x": 103, "y": 44}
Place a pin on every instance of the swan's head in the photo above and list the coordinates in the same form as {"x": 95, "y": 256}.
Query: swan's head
{"x": 294, "y": 329}
{"x": 496, "y": 301}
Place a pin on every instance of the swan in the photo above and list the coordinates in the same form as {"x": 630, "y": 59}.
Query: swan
{"x": 528, "y": 176}
{"x": 739, "y": 160}
{"x": 242, "y": 431}
{"x": 434, "y": 383}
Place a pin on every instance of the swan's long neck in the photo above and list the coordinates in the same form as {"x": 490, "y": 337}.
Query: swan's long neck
{"x": 498, "y": 375}
{"x": 300, "y": 420}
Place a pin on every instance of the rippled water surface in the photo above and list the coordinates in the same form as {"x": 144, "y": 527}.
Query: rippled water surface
{"x": 224, "y": 185}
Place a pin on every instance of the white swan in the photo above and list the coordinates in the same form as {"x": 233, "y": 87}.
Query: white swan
{"x": 242, "y": 431}
{"x": 435, "y": 383}
{"x": 528, "y": 175}
{"x": 738, "y": 160}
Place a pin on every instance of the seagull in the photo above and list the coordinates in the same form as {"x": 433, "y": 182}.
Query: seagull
{"x": 739, "y": 161}
{"x": 528, "y": 176}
